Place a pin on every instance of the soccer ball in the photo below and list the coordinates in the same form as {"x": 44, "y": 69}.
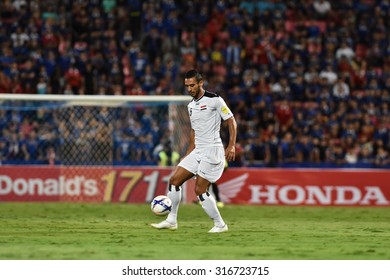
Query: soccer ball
{"x": 161, "y": 205}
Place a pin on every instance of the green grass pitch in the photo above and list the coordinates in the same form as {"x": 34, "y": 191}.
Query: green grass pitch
{"x": 49, "y": 231}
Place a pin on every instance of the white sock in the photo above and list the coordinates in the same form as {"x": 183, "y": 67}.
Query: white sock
{"x": 210, "y": 207}
{"x": 174, "y": 193}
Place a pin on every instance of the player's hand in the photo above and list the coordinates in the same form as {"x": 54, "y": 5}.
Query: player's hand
{"x": 230, "y": 153}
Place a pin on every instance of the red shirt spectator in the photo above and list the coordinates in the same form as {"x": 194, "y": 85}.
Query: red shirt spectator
{"x": 5, "y": 83}
{"x": 284, "y": 113}
{"x": 262, "y": 52}
{"x": 50, "y": 40}
{"x": 74, "y": 78}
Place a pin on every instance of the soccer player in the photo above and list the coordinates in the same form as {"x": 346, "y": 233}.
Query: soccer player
{"x": 205, "y": 157}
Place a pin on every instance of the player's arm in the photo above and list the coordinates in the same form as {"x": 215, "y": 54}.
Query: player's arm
{"x": 191, "y": 145}
{"x": 230, "y": 152}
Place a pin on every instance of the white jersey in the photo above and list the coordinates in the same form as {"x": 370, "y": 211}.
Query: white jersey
{"x": 206, "y": 114}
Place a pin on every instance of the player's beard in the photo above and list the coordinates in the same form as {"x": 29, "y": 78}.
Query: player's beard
{"x": 197, "y": 93}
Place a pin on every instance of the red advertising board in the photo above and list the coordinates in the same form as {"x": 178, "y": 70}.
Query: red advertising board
{"x": 322, "y": 187}
{"x": 78, "y": 183}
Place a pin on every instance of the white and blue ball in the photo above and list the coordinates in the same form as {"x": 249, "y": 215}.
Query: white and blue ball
{"x": 161, "y": 205}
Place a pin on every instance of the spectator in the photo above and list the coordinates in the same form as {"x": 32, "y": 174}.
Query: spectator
{"x": 322, "y": 8}
{"x": 341, "y": 90}
{"x": 344, "y": 51}
{"x": 74, "y": 78}
{"x": 287, "y": 152}
{"x": 5, "y": 83}
{"x": 382, "y": 157}
{"x": 168, "y": 157}
{"x": 328, "y": 74}
{"x": 3, "y": 150}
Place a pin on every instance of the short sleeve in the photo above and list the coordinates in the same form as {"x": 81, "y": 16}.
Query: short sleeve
{"x": 223, "y": 109}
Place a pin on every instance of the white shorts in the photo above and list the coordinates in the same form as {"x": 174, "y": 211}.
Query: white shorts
{"x": 207, "y": 163}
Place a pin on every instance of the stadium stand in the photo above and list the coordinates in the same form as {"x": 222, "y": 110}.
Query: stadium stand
{"x": 308, "y": 81}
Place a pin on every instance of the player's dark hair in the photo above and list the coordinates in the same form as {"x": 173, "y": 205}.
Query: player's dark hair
{"x": 194, "y": 74}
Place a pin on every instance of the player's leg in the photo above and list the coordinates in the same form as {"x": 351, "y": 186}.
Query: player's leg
{"x": 209, "y": 171}
{"x": 209, "y": 205}
{"x": 174, "y": 191}
{"x": 183, "y": 172}
{"x": 215, "y": 190}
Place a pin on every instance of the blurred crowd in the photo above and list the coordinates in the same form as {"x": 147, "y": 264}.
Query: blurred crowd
{"x": 308, "y": 81}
